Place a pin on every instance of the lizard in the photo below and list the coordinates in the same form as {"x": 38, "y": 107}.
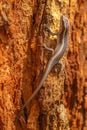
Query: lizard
{"x": 57, "y": 54}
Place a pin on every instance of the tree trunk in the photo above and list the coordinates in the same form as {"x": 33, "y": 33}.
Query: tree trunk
{"x": 61, "y": 102}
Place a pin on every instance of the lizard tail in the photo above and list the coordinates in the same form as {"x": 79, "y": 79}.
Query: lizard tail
{"x": 48, "y": 69}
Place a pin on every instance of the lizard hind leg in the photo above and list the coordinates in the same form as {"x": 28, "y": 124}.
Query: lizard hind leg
{"x": 61, "y": 65}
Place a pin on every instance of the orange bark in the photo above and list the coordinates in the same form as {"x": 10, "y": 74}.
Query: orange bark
{"x": 62, "y": 101}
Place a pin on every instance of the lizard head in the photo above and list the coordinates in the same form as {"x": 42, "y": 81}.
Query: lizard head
{"x": 65, "y": 22}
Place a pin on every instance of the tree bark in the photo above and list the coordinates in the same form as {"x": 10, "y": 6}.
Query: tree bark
{"x": 61, "y": 103}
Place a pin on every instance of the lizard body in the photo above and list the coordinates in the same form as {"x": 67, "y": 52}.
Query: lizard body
{"x": 57, "y": 54}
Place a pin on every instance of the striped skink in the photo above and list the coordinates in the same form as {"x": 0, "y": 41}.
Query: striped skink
{"x": 56, "y": 55}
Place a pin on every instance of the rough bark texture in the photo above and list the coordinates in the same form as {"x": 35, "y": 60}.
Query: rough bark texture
{"x": 62, "y": 102}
